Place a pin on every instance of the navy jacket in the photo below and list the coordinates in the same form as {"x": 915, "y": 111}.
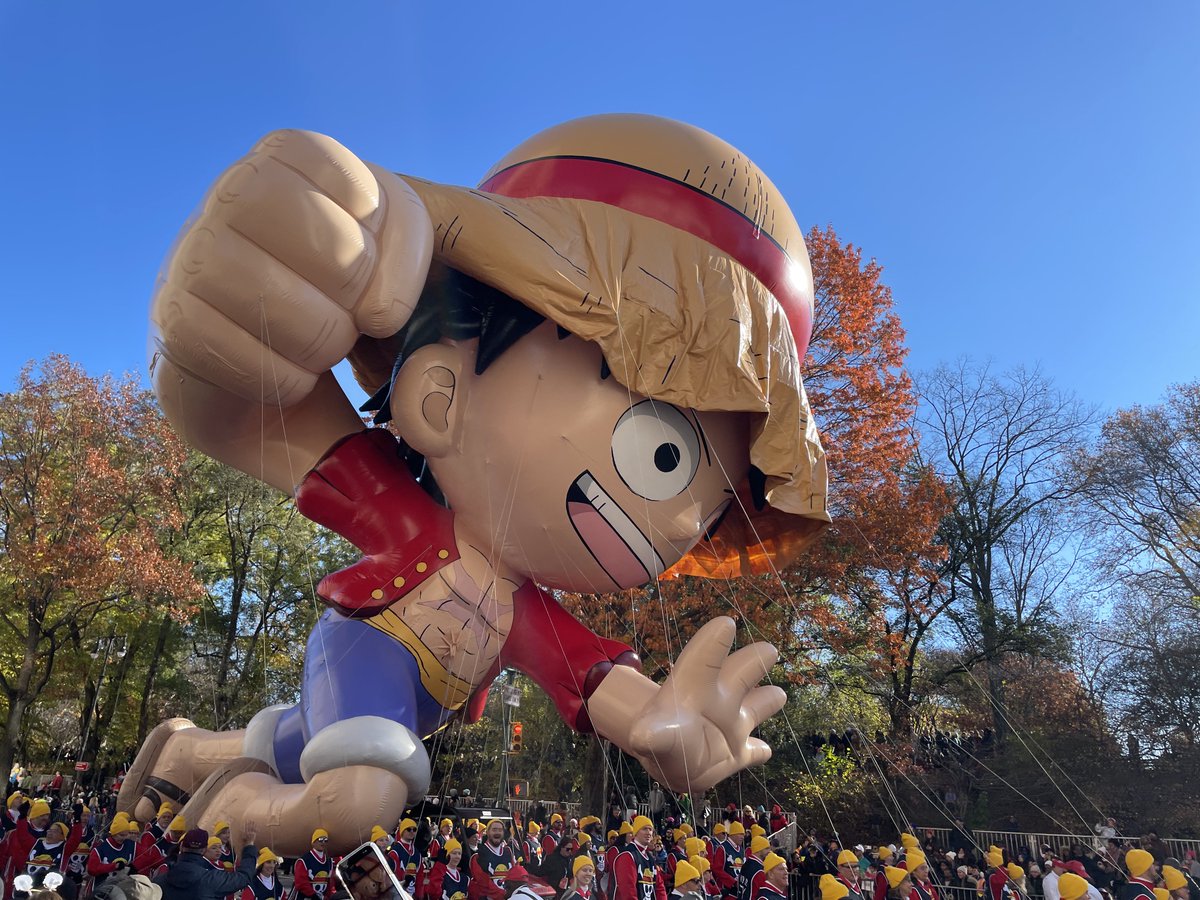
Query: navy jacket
{"x": 192, "y": 878}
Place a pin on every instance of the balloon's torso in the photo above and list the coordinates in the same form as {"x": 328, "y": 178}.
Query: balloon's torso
{"x": 454, "y": 623}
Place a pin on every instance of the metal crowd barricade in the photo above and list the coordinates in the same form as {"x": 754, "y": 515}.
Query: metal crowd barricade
{"x": 1032, "y": 841}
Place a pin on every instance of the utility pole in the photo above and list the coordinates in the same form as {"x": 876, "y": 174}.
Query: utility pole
{"x": 511, "y": 698}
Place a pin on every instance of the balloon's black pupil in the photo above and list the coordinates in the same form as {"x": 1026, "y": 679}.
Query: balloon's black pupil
{"x": 666, "y": 457}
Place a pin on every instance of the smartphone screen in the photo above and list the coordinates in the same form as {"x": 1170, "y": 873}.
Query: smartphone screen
{"x": 364, "y": 873}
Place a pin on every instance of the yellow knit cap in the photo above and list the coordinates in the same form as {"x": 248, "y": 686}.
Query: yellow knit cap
{"x": 885, "y": 853}
{"x": 626, "y": 828}
{"x": 1015, "y": 871}
{"x": 894, "y": 875}
{"x": 1138, "y": 861}
{"x": 165, "y": 808}
{"x": 756, "y": 830}
{"x": 215, "y": 841}
{"x": 178, "y": 825}
{"x": 318, "y": 833}
{"x": 1071, "y": 886}
{"x": 406, "y": 824}
{"x": 702, "y": 865}
{"x": 1173, "y": 878}
{"x": 759, "y": 844}
{"x": 39, "y": 808}
{"x": 580, "y": 861}
{"x": 1162, "y": 894}
{"x": 378, "y": 834}
{"x": 719, "y": 828}
{"x": 685, "y": 872}
{"x": 451, "y": 846}
{"x": 533, "y": 828}
{"x": 914, "y": 858}
{"x": 995, "y": 858}
{"x": 831, "y": 888}
{"x": 641, "y": 822}
{"x": 266, "y": 855}
{"x": 693, "y": 846}
{"x": 737, "y": 828}
{"x": 847, "y": 858}
{"x": 120, "y": 824}
{"x": 909, "y": 842}
{"x": 771, "y": 861}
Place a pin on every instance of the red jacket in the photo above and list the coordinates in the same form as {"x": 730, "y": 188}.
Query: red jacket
{"x": 716, "y": 861}
{"x": 625, "y": 876}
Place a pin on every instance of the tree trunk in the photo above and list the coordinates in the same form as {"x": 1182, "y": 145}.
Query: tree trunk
{"x": 593, "y": 776}
{"x": 12, "y": 732}
{"x": 20, "y": 693}
{"x": 104, "y": 717}
{"x": 160, "y": 645}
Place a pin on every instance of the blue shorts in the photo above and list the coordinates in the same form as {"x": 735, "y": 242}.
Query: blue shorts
{"x": 352, "y": 669}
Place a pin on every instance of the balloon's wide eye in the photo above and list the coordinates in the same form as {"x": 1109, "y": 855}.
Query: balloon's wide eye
{"x": 656, "y": 450}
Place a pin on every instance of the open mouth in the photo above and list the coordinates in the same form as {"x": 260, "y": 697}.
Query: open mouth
{"x": 620, "y": 548}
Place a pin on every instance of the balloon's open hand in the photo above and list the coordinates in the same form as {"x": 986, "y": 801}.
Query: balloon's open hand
{"x": 693, "y": 730}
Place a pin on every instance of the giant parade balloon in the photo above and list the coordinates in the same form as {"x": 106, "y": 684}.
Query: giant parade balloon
{"x": 585, "y": 374}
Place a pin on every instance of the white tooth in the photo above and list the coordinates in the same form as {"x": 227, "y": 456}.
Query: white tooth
{"x": 621, "y": 524}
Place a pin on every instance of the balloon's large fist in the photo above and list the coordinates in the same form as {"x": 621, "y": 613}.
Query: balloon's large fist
{"x": 694, "y": 729}
{"x": 296, "y": 251}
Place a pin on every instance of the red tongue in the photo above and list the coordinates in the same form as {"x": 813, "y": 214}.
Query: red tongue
{"x": 606, "y": 545}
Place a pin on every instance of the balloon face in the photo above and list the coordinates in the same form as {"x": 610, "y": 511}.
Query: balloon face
{"x": 572, "y": 477}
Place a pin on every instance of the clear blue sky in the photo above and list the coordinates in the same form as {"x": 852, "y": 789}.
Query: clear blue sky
{"x": 1026, "y": 172}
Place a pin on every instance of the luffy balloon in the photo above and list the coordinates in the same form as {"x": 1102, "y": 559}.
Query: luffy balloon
{"x": 585, "y": 375}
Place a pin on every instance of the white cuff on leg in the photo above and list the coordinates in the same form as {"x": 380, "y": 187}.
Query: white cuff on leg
{"x": 369, "y": 741}
{"x": 259, "y": 741}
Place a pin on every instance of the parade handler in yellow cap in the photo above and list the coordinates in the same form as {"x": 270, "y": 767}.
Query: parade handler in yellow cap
{"x": 635, "y": 872}
{"x": 592, "y": 366}
{"x": 312, "y": 872}
{"x": 1143, "y": 875}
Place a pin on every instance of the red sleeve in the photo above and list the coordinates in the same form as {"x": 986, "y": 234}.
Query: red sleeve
{"x": 881, "y": 887}
{"x": 97, "y": 866}
{"x": 997, "y": 881}
{"x": 625, "y": 877}
{"x": 660, "y": 887}
{"x": 548, "y": 845}
{"x": 721, "y": 875}
{"x": 433, "y": 884}
{"x": 303, "y": 879}
{"x": 74, "y": 836}
{"x": 146, "y": 859}
{"x": 246, "y": 894}
{"x": 756, "y": 884}
{"x": 22, "y": 841}
{"x": 481, "y": 881}
{"x": 565, "y": 658}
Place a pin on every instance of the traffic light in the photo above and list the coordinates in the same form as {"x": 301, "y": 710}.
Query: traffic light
{"x": 516, "y": 737}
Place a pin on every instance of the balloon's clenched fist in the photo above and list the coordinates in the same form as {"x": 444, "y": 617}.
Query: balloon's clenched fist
{"x": 297, "y": 250}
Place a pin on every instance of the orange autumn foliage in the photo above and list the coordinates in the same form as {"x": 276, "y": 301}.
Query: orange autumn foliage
{"x": 88, "y": 477}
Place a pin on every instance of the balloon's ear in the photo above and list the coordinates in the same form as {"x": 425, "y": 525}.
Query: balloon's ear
{"x": 427, "y": 398}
